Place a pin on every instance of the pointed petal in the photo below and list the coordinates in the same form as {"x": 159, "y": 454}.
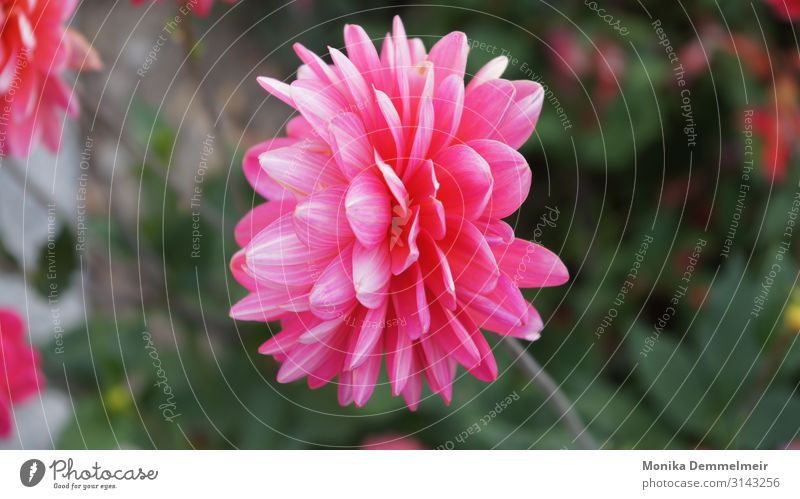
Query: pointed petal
{"x": 518, "y": 123}
{"x": 259, "y": 218}
{"x": 448, "y": 105}
{"x": 301, "y": 169}
{"x": 277, "y": 88}
{"x": 492, "y": 70}
{"x": 449, "y": 56}
{"x": 366, "y": 375}
{"x": 399, "y": 357}
{"x": 369, "y": 324}
{"x": 530, "y": 265}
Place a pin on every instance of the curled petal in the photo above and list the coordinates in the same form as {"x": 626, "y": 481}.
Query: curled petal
{"x": 466, "y": 181}
{"x": 523, "y": 114}
{"x": 371, "y": 274}
{"x": 511, "y": 175}
{"x": 368, "y": 208}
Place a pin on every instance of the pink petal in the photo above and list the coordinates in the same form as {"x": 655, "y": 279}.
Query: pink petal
{"x": 333, "y": 295}
{"x": 399, "y": 357}
{"x": 436, "y": 272}
{"x": 424, "y": 132}
{"x": 301, "y": 169}
{"x": 361, "y": 51}
{"x": 366, "y": 375}
{"x": 530, "y": 330}
{"x": 466, "y": 181}
{"x": 440, "y": 367}
{"x": 413, "y": 390}
{"x": 520, "y": 120}
{"x": 448, "y": 105}
{"x": 495, "y": 231}
{"x": 403, "y": 243}
{"x": 501, "y": 309}
{"x": 277, "y": 88}
{"x": 530, "y": 265}
{"x": 485, "y": 106}
{"x": 410, "y": 303}
{"x": 277, "y": 255}
{"x": 240, "y": 272}
{"x": 263, "y": 305}
{"x": 511, "y": 174}
{"x": 453, "y": 338}
{"x": 257, "y": 177}
{"x": 368, "y": 208}
{"x": 302, "y": 360}
{"x": 319, "y": 104}
{"x": 369, "y": 324}
{"x": 469, "y": 256}
{"x": 353, "y": 150}
{"x": 360, "y": 94}
{"x": 320, "y": 219}
{"x": 449, "y": 56}
{"x": 492, "y": 70}
{"x": 259, "y": 218}
{"x": 371, "y": 274}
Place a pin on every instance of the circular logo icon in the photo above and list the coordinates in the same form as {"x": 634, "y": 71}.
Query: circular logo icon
{"x": 31, "y": 472}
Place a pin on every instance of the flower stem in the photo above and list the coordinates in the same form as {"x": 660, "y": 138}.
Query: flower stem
{"x": 564, "y": 408}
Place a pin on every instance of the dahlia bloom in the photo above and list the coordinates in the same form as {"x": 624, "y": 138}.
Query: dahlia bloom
{"x": 20, "y": 376}
{"x": 35, "y": 49}
{"x": 383, "y": 231}
{"x": 199, "y": 7}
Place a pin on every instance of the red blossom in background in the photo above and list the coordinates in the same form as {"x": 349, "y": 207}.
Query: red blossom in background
{"x": 20, "y": 376}
{"x": 35, "y": 50}
{"x": 383, "y": 233}
{"x": 778, "y": 126}
{"x": 787, "y": 9}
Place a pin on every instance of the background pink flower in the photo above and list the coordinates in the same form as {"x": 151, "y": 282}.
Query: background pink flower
{"x": 20, "y": 376}
{"x": 35, "y": 49}
{"x": 199, "y": 7}
{"x": 383, "y": 233}
{"x": 391, "y": 441}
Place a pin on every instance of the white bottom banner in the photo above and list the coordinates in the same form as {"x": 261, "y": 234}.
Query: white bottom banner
{"x": 388, "y": 474}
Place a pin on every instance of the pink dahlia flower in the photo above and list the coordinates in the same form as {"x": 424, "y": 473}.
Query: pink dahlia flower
{"x": 383, "y": 231}
{"x": 20, "y": 376}
{"x": 35, "y": 49}
{"x": 199, "y": 7}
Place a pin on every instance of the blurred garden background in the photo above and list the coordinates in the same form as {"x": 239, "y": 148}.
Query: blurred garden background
{"x": 665, "y": 175}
